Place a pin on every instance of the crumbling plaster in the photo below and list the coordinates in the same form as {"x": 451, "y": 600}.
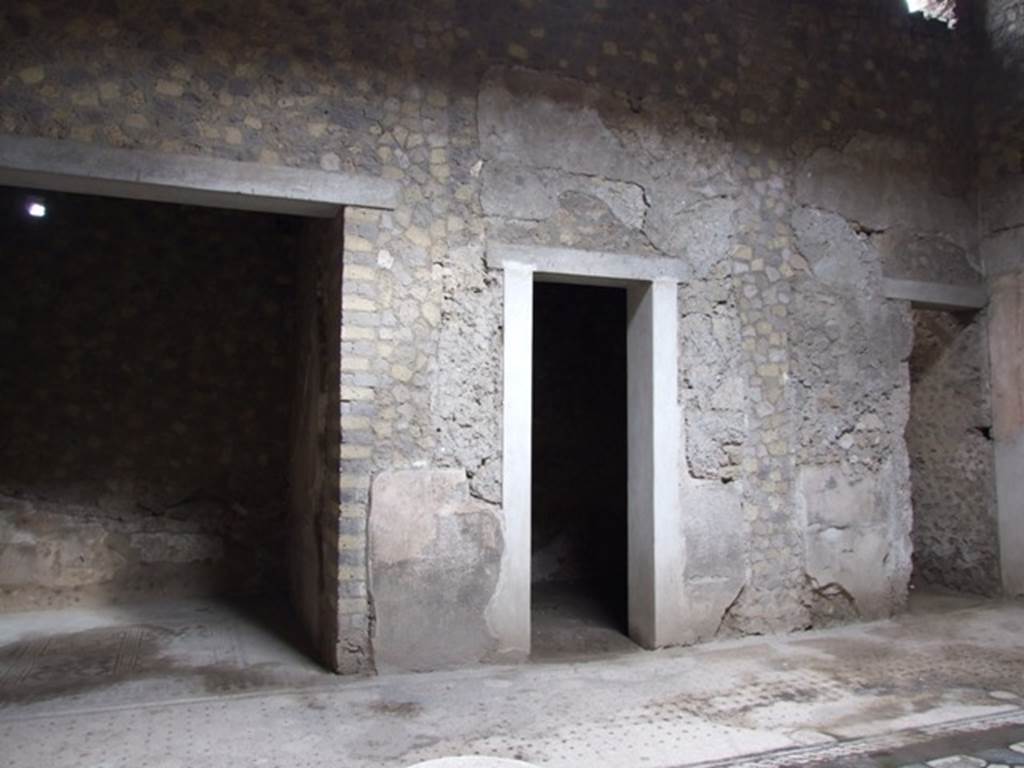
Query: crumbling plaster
{"x": 778, "y": 151}
{"x": 999, "y": 114}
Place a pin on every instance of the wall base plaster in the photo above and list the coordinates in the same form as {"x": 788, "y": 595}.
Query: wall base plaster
{"x": 434, "y": 559}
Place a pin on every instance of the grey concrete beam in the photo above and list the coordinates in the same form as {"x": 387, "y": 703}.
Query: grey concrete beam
{"x": 551, "y": 264}
{"x": 929, "y": 295}
{"x": 71, "y": 166}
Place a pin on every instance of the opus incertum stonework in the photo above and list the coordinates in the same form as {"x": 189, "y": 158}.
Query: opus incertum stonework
{"x": 531, "y": 325}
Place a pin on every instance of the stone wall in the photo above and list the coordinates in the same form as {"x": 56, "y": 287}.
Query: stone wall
{"x": 788, "y": 152}
{"x": 312, "y": 523}
{"x": 956, "y": 544}
{"x": 1000, "y": 120}
{"x": 143, "y": 398}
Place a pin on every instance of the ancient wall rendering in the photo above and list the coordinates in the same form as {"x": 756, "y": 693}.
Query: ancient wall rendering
{"x": 1000, "y": 118}
{"x": 143, "y": 398}
{"x": 1000, "y": 121}
{"x": 793, "y": 154}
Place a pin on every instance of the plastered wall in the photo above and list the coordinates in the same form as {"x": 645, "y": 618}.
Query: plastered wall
{"x": 794, "y": 154}
{"x": 1000, "y": 119}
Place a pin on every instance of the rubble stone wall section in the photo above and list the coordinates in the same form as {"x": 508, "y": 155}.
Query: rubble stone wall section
{"x": 1000, "y": 137}
{"x": 788, "y": 152}
{"x": 951, "y": 452}
{"x": 1000, "y": 128}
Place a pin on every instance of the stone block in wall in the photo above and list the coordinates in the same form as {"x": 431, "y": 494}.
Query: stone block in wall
{"x": 1001, "y": 204}
{"x": 839, "y": 259}
{"x": 546, "y": 121}
{"x": 714, "y": 389}
{"x": 716, "y": 538}
{"x": 688, "y": 226}
{"x": 559, "y": 152}
{"x": 515, "y": 191}
{"x": 1001, "y": 219}
{"x": 931, "y": 258}
{"x": 465, "y": 404}
{"x": 848, "y": 347}
{"x": 856, "y": 538}
{"x": 876, "y": 183}
{"x": 55, "y": 554}
{"x": 40, "y": 550}
{"x": 176, "y": 547}
{"x": 1003, "y": 252}
{"x": 435, "y": 555}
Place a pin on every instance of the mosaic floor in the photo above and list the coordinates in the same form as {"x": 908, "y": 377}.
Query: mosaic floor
{"x": 206, "y": 685}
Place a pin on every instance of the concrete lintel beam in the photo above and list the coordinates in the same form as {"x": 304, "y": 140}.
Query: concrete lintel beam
{"x": 929, "y": 295}
{"x": 71, "y": 166}
{"x": 551, "y": 264}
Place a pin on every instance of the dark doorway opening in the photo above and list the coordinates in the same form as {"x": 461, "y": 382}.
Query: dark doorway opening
{"x": 579, "y": 466}
{"x": 146, "y": 410}
{"x": 952, "y": 459}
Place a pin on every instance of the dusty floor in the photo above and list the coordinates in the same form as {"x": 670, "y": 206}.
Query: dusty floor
{"x": 570, "y": 622}
{"x": 201, "y": 684}
{"x": 59, "y": 660}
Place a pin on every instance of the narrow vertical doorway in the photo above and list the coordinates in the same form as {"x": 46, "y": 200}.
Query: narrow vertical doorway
{"x": 579, "y": 498}
{"x": 952, "y": 459}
